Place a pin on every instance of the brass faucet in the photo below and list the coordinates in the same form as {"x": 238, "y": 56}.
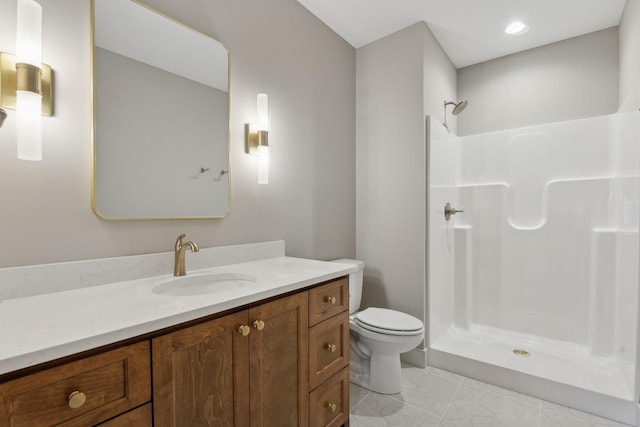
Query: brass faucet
{"x": 179, "y": 269}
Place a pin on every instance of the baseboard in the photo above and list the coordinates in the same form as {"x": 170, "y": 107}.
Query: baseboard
{"x": 416, "y": 357}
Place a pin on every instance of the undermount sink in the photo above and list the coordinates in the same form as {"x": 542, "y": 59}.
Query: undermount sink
{"x": 201, "y": 284}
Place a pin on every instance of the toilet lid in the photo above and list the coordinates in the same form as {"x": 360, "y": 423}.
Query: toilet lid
{"x": 388, "y": 321}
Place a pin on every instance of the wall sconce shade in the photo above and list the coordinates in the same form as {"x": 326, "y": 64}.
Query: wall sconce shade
{"x": 263, "y": 164}
{"x": 29, "y": 33}
{"x": 25, "y": 83}
{"x": 257, "y": 138}
{"x": 263, "y": 112}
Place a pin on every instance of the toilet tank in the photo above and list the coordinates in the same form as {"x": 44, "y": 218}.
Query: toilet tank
{"x": 355, "y": 283}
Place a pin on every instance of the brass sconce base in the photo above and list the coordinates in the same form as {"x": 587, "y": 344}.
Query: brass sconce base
{"x": 8, "y": 84}
{"x": 254, "y": 138}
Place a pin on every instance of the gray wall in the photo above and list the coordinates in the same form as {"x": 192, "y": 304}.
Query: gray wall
{"x": 629, "y": 31}
{"x": 567, "y": 80}
{"x": 276, "y": 47}
{"x": 400, "y": 79}
{"x": 440, "y": 82}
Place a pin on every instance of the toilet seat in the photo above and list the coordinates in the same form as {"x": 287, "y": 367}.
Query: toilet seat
{"x": 389, "y": 322}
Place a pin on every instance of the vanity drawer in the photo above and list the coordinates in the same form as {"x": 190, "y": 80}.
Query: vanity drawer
{"x": 330, "y": 402}
{"x": 113, "y": 382}
{"x": 328, "y": 300}
{"x": 328, "y": 348}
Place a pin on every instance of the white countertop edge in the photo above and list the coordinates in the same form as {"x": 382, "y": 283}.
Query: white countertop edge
{"x": 49, "y": 352}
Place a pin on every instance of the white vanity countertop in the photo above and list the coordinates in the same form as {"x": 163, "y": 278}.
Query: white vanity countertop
{"x": 42, "y": 328}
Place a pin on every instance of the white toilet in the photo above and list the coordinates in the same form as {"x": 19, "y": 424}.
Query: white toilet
{"x": 378, "y": 336}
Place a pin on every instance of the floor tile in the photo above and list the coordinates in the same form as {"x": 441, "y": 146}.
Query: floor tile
{"x": 443, "y": 373}
{"x": 474, "y": 406}
{"x": 356, "y": 395}
{"x": 503, "y": 391}
{"x": 560, "y": 416}
{"x": 431, "y": 389}
{"x": 380, "y": 410}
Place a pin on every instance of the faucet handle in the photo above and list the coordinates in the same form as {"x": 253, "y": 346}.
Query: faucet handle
{"x": 179, "y": 241}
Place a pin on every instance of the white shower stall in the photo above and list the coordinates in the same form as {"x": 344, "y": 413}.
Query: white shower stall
{"x": 534, "y": 286}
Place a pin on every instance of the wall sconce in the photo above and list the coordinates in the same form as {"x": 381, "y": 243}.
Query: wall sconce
{"x": 25, "y": 83}
{"x": 257, "y": 138}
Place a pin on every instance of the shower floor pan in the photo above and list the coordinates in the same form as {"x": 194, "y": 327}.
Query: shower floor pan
{"x": 553, "y": 370}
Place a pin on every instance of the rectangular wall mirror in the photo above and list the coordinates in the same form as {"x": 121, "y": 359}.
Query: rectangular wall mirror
{"x": 161, "y": 116}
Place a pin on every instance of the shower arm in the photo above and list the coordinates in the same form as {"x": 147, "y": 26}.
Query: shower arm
{"x": 445, "y": 111}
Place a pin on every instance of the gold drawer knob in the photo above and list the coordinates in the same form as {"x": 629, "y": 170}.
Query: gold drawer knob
{"x": 330, "y": 300}
{"x": 244, "y": 330}
{"x": 258, "y": 324}
{"x": 76, "y": 399}
{"x": 331, "y": 348}
{"x": 332, "y": 406}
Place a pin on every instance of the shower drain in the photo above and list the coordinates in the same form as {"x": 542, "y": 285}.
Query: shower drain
{"x": 521, "y": 353}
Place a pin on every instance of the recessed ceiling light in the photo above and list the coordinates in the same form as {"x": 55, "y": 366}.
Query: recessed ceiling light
{"x": 516, "y": 28}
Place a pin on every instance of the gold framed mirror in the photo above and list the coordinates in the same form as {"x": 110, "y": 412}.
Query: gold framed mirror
{"x": 161, "y": 98}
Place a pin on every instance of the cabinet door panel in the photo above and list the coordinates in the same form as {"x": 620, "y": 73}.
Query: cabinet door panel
{"x": 113, "y": 382}
{"x": 330, "y": 401}
{"x": 279, "y": 363}
{"x": 327, "y": 300}
{"x": 328, "y": 348}
{"x": 200, "y": 375}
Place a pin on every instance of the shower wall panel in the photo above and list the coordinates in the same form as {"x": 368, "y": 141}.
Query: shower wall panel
{"x": 443, "y": 156}
{"x": 547, "y": 245}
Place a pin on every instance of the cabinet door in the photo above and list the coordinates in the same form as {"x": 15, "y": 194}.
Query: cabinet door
{"x": 200, "y": 375}
{"x": 279, "y": 363}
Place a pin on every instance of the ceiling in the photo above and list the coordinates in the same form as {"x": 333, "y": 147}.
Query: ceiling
{"x": 470, "y": 31}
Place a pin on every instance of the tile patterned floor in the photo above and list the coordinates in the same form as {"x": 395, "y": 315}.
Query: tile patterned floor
{"x": 432, "y": 397}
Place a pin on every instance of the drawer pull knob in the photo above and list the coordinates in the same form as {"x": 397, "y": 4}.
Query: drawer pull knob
{"x": 258, "y": 324}
{"x": 244, "y": 330}
{"x": 332, "y": 406}
{"x": 330, "y": 300}
{"x": 331, "y": 348}
{"x": 76, "y": 399}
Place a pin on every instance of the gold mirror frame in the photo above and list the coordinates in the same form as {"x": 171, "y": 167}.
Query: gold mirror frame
{"x": 224, "y": 173}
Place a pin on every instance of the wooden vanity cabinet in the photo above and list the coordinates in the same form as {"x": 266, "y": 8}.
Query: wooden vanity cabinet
{"x": 245, "y": 369}
{"x": 258, "y": 367}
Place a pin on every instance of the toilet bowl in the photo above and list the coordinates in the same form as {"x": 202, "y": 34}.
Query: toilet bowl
{"x": 378, "y": 336}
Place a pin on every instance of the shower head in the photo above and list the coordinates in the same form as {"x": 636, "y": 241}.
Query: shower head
{"x": 458, "y": 107}
{"x": 3, "y": 115}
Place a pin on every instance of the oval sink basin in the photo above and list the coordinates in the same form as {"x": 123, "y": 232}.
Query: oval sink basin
{"x": 200, "y": 284}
